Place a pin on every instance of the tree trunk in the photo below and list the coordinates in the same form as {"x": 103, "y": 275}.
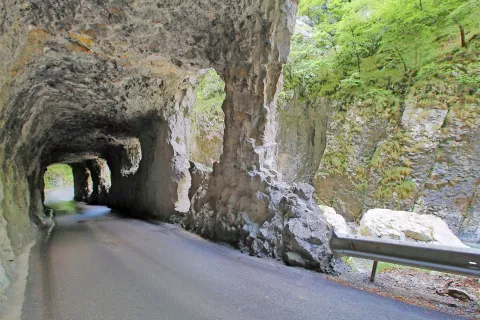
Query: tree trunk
{"x": 401, "y": 58}
{"x": 463, "y": 44}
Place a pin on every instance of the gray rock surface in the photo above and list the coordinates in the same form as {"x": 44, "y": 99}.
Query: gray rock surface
{"x": 82, "y": 182}
{"x": 101, "y": 182}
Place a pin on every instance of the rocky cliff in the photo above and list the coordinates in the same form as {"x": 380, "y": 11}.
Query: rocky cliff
{"x": 421, "y": 156}
{"x": 412, "y": 147}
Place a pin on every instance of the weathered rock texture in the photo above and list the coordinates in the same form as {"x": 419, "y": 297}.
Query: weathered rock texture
{"x": 302, "y": 139}
{"x": 242, "y": 202}
{"x": 336, "y": 220}
{"x": 101, "y": 183}
{"x": 83, "y": 79}
{"x": 82, "y": 182}
{"x": 199, "y": 175}
{"x": 208, "y": 119}
{"x": 207, "y": 137}
{"x": 426, "y": 162}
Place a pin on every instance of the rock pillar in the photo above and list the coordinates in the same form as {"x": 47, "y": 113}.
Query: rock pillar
{"x": 100, "y": 182}
{"x": 156, "y": 184}
{"x": 244, "y": 203}
{"x": 82, "y": 182}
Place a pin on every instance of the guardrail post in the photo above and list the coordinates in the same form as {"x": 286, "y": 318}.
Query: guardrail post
{"x": 374, "y": 271}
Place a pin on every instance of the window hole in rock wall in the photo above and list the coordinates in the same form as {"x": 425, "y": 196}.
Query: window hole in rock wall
{"x": 208, "y": 119}
{"x": 57, "y": 176}
{"x": 131, "y": 157}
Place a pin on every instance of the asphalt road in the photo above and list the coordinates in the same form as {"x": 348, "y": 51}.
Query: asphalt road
{"x": 97, "y": 265}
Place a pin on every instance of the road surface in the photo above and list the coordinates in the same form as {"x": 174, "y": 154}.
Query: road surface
{"x": 58, "y": 195}
{"x": 97, "y": 265}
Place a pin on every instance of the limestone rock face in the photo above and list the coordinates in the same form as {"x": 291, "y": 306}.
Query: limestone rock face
{"x": 101, "y": 184}
{"x": 200, "y": 174}
{"x": 244, "y": 203}
{"x": 306, "y": 232}
{"x": 403, "y": 225}
{"x": 207, "y": 134}
{"x": 418, "y": 154}
{"x": 301, "y": 141}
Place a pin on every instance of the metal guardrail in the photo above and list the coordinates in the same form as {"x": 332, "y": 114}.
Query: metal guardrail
{"x": 463, "y": 261}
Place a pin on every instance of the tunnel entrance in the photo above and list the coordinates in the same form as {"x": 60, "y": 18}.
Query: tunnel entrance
{"x": 57, "y": 176}
{"x": 58, "y": 192}
{"x": 88, "y": 181}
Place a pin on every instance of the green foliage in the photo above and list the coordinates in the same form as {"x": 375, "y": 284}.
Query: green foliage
{"x": 360, "y": 45}
{"x": 386, "y": 266}
{"x": 64, "y": 208}
{"x": 58, "y": 176}
{"x": 372, "y": 58}
{"x": 405, "y": 189}
{"x": 210, "y": 92}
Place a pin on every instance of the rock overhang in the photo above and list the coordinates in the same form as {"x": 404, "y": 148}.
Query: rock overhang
{"x": 80, "y": 67}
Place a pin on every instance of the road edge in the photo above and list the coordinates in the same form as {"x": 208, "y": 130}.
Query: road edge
{"x": 17, "y": 293}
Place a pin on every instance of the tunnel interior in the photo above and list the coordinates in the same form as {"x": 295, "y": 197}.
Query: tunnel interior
{"x": 95, "y": 84}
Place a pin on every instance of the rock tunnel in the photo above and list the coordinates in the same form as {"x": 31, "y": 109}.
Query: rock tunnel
{"x": 83, "y": 80}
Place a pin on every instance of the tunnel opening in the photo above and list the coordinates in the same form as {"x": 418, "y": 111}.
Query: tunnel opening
{"x": 208, "y": 119}
{"x": 58, "y": 189}
{"x": 58, "y": 175}
{"x": 66, "y": 185}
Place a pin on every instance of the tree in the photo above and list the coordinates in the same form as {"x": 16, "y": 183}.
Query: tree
{"x": 459, "y": 14}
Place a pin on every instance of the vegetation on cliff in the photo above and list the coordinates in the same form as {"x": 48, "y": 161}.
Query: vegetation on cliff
{"x": 367, "y": 61}
{"x": 58, "y": 176}
{"x": 208, "y": 119}
{"x": 377, "y": 48}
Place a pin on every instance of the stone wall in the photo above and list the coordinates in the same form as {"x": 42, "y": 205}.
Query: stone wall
{"x": 302, "y": 137}
{"x": 82, "y": 182}
{"x": 16, "y": 227}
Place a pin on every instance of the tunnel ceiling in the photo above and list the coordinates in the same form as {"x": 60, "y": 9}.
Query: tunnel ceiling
{"x": 81, "y": 76}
